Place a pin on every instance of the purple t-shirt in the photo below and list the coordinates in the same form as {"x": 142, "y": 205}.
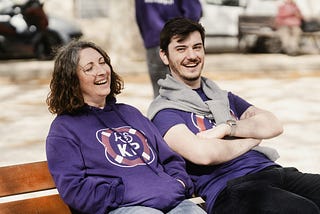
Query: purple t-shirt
{"x": 211, "y": 180}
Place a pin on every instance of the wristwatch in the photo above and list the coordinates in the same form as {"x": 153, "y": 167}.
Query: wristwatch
{"x": 233, "y": 126}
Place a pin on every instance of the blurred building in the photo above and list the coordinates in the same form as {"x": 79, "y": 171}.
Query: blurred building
{"x": 109, "y": 23}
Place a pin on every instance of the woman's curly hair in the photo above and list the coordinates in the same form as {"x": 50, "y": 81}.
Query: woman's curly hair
{"x": 65, "y": 95}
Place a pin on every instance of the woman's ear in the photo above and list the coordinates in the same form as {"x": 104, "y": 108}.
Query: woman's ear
{"x": 163, "y": 57}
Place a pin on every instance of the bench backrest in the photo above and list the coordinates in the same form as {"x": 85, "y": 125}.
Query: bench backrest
{"x": 29, "y": 178}
{"x": 34, "y": 179}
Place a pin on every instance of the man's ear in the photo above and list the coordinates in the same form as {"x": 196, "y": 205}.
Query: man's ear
{"x": 163, "y": 57}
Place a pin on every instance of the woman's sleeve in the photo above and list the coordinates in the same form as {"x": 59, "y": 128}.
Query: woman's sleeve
{"x": 174, "y": 164}
{"x": 88, "y": 194}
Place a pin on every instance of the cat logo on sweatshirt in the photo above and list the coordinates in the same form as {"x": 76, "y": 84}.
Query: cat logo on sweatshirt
{"x": 125, "y": 146}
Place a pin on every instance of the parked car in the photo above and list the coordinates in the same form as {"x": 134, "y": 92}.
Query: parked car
{"x": 27, "y": 32}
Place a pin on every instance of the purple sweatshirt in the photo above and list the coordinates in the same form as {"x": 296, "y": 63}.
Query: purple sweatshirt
{"x": 102, "y": 159}
{"x": 151, "y": 15}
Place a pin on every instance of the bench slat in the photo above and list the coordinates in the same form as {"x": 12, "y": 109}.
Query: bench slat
{"x": 33, "y": 178}
{"x": 25, "y": 178}
{"x": 51, "y": 204}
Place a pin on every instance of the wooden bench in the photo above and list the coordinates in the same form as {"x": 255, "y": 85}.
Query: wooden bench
{"x": 29, "y": 188}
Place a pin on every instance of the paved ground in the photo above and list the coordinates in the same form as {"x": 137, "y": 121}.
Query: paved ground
{"x": 287, "y": 86}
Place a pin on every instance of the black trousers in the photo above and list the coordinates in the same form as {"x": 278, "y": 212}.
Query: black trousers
{"x": 274, "y": 190}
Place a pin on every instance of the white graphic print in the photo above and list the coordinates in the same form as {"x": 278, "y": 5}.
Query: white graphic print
{"x": 125, "y": 146}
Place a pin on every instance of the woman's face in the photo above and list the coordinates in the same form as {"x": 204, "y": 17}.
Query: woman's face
{"x": 94, "y": 76}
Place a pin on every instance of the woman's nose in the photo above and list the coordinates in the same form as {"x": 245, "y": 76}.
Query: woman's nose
{"x": 100, "y": 70}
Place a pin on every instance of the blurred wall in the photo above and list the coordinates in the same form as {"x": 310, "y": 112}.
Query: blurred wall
{"x": 124, "y": 38}
{"x": 309, "y": 8}
{"x": 116, "y": 30}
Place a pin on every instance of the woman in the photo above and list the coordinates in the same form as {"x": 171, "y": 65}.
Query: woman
{"x": 105, "y": 156}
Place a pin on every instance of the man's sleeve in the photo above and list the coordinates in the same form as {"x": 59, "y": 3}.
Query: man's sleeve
{"x": 165, "y": 119}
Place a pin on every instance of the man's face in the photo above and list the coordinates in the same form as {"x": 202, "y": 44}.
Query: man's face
{"x": 185, "y": 59}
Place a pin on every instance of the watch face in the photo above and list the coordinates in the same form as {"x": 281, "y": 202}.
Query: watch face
{"x": 232, "y": 122}
{"x": 233, "y": 125}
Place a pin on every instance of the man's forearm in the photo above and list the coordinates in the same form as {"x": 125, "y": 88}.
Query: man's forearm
{"x": 217, "y": 151}
{"x": 261, "y": 126}
{"x": 209, "y": 149}
{"x": 258, "y": 123}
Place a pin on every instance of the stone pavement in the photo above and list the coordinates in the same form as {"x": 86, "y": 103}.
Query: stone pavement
{"x": 287, "y": 86}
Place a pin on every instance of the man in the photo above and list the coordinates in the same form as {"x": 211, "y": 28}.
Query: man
{"x": 288, "y": 24}
{"x": 151, "y": 15}
{"x": 218, "y": 134}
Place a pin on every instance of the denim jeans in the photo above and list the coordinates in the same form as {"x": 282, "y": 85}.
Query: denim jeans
{"x": 273, "y": 191}
{"x": 185, "y": 207}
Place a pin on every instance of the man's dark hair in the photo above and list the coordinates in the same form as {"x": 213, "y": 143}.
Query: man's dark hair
{"x": 181, "y": 28}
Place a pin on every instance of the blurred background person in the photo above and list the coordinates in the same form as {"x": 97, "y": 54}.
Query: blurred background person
{"x": 151, "y": 15}
{"x": 288, "y": 24}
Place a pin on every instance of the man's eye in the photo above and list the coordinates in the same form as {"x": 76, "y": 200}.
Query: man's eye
{"x": 102, "y": 63}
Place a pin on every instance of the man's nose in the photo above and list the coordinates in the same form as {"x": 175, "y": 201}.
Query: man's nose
{"x": 191, "y": 54}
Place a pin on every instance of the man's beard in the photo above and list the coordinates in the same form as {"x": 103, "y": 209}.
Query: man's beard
{"x": 191, "y": 79}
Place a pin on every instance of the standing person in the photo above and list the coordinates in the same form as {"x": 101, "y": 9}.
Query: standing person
{"x": 151, "y": 15}
{"x": 107, "y": 157}
{"x": 288, "y": 23}
{"x": 216, "y": 132}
